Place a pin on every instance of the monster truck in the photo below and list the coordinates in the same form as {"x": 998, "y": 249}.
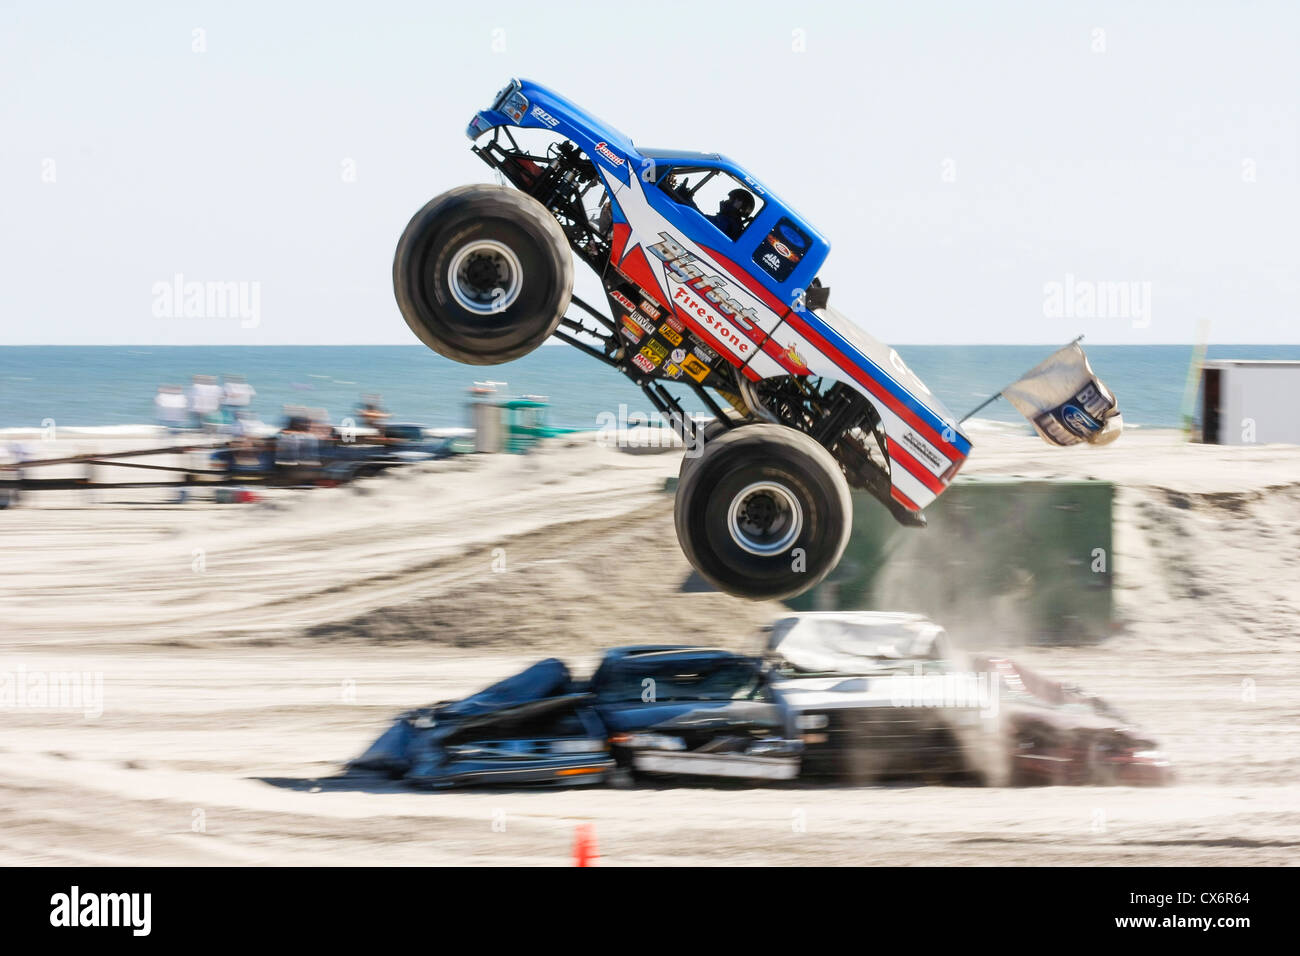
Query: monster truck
{"x": 723, "y": 301}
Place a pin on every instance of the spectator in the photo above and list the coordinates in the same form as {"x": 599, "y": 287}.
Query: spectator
{"x": 372, "y": 411}
{"x": 169, "y": 407}
{"x": 205, "y": 402}
{"x": 297, "y": 452}
{"x": 236, "y": 397}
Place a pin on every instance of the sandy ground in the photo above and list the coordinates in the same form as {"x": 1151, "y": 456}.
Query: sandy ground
{"x": 246, "y": 651}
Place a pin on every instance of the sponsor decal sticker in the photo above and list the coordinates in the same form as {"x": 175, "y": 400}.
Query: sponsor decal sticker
{"x": 670, "y": 334}
{"x": 653, "y": 312}
{"x": 545, "y": 117}
{"x": 694, "y": 368}
{"x": 795, "y": 358}
{"x": 656, "y": 349}
{"x": 608, "y": 154}
{"x": 706, "y": 354}
{"x": 642, "y": 321}
{"x": 673, "y": 371}
{"x": 921, "y": 448}
{"x": 632, "y": 329}
{"x": 678, "y": 356}
{"x": 622, "y": 300}
{"x": 650, "y": 355}
{"x": 643, "y": 363}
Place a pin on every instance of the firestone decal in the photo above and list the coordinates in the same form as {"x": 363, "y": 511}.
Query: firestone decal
{"x": 696, "y": 307}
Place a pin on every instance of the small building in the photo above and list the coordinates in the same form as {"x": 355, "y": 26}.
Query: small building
{"x": 509, "y": 425}
{"x": 1248, "y": 402}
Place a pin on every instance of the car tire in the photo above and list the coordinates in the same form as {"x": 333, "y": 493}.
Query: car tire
{"x": 483, "y": 274}
{"x": 764, "y": 512}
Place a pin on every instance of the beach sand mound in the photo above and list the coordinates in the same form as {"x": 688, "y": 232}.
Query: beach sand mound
{"x": 247, "y": 651}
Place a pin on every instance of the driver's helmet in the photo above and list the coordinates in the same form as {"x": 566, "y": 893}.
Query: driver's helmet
{"x": 740, "y": 202}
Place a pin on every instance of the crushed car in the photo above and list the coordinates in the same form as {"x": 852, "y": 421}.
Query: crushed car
{"x": 852, "y": 697}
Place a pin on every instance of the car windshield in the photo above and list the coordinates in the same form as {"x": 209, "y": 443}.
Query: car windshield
{"x": 680, "y": 680}
{"x": 404, "y": 432}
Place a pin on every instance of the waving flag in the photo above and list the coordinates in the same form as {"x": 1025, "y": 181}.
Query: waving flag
{"x": 1065, "y": 401}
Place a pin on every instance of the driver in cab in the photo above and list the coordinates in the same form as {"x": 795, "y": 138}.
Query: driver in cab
{"x": 733, "y": 213}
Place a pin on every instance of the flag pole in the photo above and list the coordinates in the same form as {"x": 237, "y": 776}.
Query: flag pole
{"x": 982, "y": 405}
{"x": 998, "y": 394}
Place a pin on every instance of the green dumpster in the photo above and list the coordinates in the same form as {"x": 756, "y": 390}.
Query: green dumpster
{"x": 1003, "y": 560}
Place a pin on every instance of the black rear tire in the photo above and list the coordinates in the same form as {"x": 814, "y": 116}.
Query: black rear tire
{"x": 705, "y": 434}
{"x": 483, "y": 274}
{"x": 765, "y": 512}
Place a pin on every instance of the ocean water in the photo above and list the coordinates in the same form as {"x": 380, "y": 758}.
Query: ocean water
{"x": 115, "y": 386}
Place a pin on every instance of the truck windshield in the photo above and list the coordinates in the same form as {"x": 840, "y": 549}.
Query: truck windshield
{"x": 717, "y": 195}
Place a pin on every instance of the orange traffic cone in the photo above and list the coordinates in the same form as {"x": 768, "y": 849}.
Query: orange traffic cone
{"x": 584, "y": 845}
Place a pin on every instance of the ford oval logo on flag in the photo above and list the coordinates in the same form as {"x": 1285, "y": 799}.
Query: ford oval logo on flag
{"x": 1079, "y": 421}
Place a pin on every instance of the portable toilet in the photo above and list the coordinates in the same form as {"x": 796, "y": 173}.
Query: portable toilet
{"x": 485, "y": 418}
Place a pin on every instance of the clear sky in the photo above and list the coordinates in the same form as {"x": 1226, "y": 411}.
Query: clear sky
{"x": 961, "y": 157}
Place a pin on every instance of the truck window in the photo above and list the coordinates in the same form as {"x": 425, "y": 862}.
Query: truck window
{"x": 716, "y": 195}
{"x": 781, "y": 250}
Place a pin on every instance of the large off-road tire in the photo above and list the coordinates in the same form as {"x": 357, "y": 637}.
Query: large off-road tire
{"x": 706, "y": 433}
{"x": 483, "y": 274}
{"x": 764, "y": 512}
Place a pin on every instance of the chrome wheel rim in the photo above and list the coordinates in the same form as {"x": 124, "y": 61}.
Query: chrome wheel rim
{"x": 764, "y": 518}
{"x": 485, "y": 276}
